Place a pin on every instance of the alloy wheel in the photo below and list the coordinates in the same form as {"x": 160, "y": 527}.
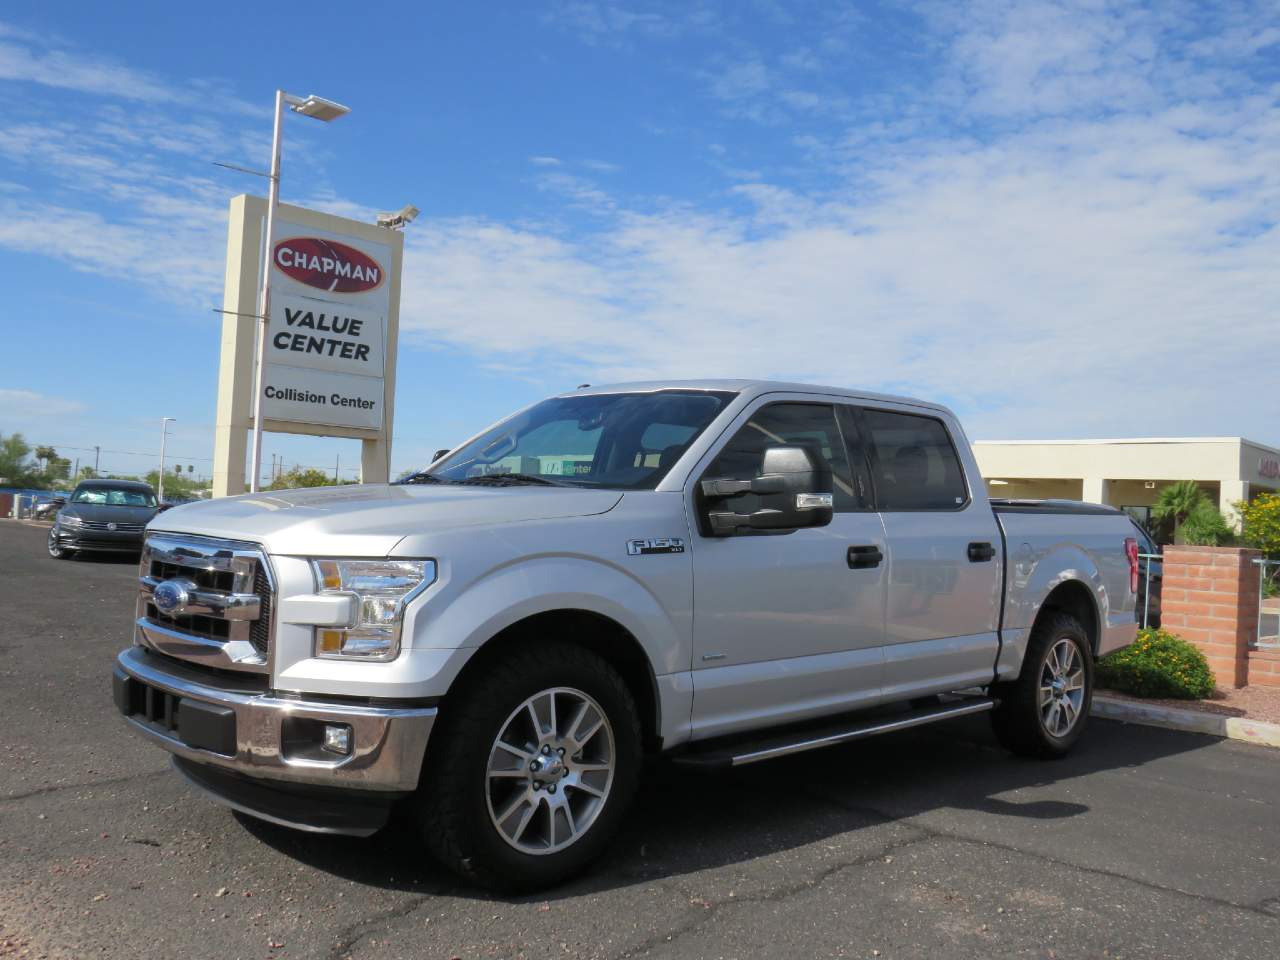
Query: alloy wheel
{"x": 1062, "y": 682}
{"x": 550, "y": 770}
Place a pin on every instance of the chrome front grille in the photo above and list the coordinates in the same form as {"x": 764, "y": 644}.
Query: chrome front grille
{"x": 223, "y": 618}
{"x": 112, "y": 525}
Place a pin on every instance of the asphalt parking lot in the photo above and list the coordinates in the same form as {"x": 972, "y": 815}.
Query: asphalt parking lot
{"x": 1145, "y": 843}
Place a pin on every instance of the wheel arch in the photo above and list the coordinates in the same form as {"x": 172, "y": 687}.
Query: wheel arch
{"x": 1075, "y": 598}
{"x": 590, "y": 630}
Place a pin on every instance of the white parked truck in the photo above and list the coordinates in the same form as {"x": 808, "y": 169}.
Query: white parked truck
{"x": 723, "y": 572}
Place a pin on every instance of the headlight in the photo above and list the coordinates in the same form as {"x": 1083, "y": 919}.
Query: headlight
{"x": 381, "y": 589}
{"x": 69, "y": 520}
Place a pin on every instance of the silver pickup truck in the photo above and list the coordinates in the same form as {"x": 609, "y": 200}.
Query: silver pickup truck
{"x": 723, "y": 572}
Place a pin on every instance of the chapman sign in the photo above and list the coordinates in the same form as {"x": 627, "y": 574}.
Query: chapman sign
{"x": 328, "y": 265}
{"x": 330, "y": 348}
{"x": 326, "y": 343}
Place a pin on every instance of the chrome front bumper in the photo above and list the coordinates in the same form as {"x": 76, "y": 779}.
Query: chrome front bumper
{"x": 264, "y": 735}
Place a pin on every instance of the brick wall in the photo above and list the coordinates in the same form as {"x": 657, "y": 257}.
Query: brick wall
{"x": 1264, "y": 668}
{"x": 1209, "y": 597}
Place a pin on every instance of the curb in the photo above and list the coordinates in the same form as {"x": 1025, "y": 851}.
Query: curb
{"x": 1192, "y": 721}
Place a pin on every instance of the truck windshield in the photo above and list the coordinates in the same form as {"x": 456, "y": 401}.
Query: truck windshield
{"x": 625, "y": 440}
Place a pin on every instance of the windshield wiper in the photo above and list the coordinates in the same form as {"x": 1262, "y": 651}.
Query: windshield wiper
{"x": 422, "y": 477}
{"x": 513, "y": 479}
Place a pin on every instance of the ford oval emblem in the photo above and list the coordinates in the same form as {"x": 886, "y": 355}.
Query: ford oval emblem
{"x": 171, "y": 596}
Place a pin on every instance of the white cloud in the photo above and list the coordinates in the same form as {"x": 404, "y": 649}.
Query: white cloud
{"x": 25, "y": 57}
{"x": 1071, "y": 231}
{"x": 21, "y": 405}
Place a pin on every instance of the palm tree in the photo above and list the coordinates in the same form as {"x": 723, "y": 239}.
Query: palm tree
{"x": 1176, "y": 502}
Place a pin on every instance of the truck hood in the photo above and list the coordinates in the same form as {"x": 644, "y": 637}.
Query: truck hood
{"x": 369, "y": 520}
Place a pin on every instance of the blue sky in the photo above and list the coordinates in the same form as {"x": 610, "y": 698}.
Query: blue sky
{"x": 1060, "y": 218}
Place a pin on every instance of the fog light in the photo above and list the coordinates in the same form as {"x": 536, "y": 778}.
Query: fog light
{"x": 337, "y": 738}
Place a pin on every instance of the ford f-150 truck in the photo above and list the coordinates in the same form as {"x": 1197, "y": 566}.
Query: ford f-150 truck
{"x": 723, "y": 572}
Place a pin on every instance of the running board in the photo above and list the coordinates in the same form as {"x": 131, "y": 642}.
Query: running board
{"x": 744, "y": 752}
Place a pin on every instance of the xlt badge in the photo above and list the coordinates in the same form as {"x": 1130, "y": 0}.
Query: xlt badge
{"x": 639, "y": 548}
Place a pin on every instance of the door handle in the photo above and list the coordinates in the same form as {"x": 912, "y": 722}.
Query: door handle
{"x": 861, "y": 558}
{"x": 981, "y": 552}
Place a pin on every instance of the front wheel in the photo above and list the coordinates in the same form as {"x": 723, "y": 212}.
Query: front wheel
{"x": 531, "y": 769}
{"x": 56, "y": 551}
{"x": 1043, "y": 712}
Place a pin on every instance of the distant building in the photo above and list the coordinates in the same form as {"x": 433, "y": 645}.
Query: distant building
{"x": 1129, "y": 473}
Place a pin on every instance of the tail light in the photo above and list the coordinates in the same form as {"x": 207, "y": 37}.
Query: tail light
{"x": 1131, "y": 551}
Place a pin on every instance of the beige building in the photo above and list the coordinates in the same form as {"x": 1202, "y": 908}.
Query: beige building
{"x": 1128, "y": 473}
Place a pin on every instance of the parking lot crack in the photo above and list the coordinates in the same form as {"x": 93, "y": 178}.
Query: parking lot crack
{"x": 353, "y": 933}
{"x": 84, "y": 785}
{"x": 1259, "y": 909}
{"x": 777, "y": 895}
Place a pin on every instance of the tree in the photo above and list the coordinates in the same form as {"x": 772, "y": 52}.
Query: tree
{"x": 15, "y": 469}
{"x": 1260, "y": 528}
{"x": 1176, "y": 502}
{"x": 57, "y": 468}
{"x": 177, "y": 486}
{"x": 1205, "y": 526}
{"x": 298, "y": 476}
{"x": 44, "y": 454}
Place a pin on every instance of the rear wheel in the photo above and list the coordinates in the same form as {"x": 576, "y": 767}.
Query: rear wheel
{"x": 1043, "y": 712}
{"x": 56, "y": 551}
{"x": 531, "y": 769}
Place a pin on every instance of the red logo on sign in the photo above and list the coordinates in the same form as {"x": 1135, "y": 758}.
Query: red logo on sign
{"x": 1268, "y": 467}
{"x": 328, "y": 265}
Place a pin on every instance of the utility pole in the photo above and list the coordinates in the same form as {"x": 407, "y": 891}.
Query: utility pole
{"x": 164, "y": 432}
{"x": 95, "y": 461}
{"x": 336, "y": 464}
{"x": 75, "y": 474}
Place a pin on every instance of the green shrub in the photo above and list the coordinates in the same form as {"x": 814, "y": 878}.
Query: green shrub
{"x": 1205, "y": 526}
{"x": 1157, "y": 664}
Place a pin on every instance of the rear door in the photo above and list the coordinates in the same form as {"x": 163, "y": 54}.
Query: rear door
{"x": 944, "y": 553}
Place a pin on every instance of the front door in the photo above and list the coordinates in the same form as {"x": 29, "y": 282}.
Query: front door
{"x": 789, "y": 624}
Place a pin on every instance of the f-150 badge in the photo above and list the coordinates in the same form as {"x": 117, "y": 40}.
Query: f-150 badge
{"x": 639, "y": 548}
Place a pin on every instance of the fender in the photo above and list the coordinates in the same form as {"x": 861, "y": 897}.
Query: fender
{"x": 1033, "y": 575}
{"x": 504, "y": 595}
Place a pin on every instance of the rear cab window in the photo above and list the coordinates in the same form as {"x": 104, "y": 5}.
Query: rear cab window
{"x": 913, "y": 461}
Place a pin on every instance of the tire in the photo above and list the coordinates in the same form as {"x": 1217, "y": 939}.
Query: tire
{"x": 523, "y": 816}
{"x": 1038, "y": 714}
{"x": 57, "y": 552}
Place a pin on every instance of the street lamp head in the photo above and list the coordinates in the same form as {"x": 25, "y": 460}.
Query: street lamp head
{"x": 317, "y": 107}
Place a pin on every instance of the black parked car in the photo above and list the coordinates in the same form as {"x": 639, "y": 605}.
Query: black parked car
{"x": 1148, "y": 547}
{"x": 106, "y": 515}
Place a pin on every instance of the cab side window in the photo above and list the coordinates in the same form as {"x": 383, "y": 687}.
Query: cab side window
{"x": 914, "y": 462}
{"x": 811, "y": 425}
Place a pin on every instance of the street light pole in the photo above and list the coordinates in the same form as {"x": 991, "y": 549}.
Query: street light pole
{"x": 320, "y": 109}
{"x": 259, "y": 378}
{"x": 164, "y": 433}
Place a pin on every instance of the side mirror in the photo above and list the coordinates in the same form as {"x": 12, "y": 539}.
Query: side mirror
{"x": 439, "y": 454}
{"x": 798, "y": 483}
